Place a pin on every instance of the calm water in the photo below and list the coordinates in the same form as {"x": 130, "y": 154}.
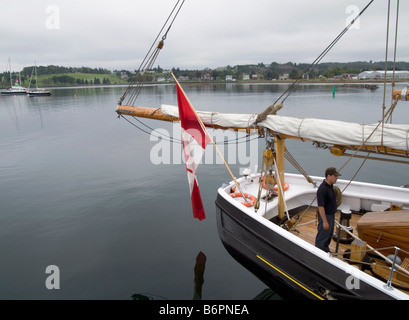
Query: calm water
{"x": 78, "y": 190}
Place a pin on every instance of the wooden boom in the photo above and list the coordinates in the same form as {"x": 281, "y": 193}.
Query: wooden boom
{"x": 401, "y": 94}
{"x": 144, "y": 112}
{"x": 157, "y": 114}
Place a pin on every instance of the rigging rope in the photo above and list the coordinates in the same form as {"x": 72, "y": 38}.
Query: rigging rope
{"x": 287, "y": 92}
{"x": 297, "y": 166}
{"x": 394, "y": 58}
{"x": 386, "y": 68}
{"x": 171, "y": 139}
{"x": 140, "y": 76}
{"x": 166, "y": 138}
{"x": 385, "y": 116}
{"x": 388, "y": 114}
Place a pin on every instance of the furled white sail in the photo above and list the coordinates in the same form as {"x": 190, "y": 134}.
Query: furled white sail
{"x": 227, "y": 120}
{"x": 395, "y": 136}
{"x": 341, "y": 133}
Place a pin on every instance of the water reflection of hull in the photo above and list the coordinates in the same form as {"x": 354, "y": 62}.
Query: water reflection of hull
{"x": 199, "y": 269}
{"x": 198, "y": 281}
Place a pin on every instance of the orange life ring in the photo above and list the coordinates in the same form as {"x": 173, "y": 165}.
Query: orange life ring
{"x": 263, "y": 183}
{"x": 247, "y": 196}
{"x": 286, "y": 186}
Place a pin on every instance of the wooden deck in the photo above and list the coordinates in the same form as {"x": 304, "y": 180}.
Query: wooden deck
{"x": 306, "y": 228}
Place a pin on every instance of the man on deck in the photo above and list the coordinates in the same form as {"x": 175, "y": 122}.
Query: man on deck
{"x": 327, "y": 206}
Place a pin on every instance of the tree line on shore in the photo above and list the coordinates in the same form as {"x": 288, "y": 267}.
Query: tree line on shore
{"x": 274, "y": 70}
{"x": 58, "y": 75}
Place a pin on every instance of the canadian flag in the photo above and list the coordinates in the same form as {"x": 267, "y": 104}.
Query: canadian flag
{"x": 195, "y": 139}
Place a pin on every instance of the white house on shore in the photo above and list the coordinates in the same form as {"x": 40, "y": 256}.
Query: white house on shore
{"x": 381, "y": 74}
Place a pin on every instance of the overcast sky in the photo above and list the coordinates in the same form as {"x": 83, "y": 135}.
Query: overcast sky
{"x": 116, "y": 34}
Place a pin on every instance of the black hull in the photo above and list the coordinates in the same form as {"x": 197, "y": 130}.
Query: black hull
{"x": 39, "y": 94}
{"x": 283, "y": 264}
{"x": 14, "y": 93}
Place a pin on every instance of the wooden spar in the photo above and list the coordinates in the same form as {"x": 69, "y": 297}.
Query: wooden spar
{"x": 157, "y": 114}
{"x": 144, "y": 112}
{"x": 397, "y": 94}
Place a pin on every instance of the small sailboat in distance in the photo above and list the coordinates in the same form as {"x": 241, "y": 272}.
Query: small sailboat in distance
{"x": 15, "y": 89}
{"x": 37, "y": 91}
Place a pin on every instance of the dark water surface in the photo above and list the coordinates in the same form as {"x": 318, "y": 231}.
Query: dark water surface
{"x": 78, "y": 190}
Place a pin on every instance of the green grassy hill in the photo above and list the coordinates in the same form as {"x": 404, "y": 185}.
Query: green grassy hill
{"x": 64, "y": 79}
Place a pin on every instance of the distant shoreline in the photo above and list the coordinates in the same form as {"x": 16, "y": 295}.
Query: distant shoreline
{"x": 314, "y": 81}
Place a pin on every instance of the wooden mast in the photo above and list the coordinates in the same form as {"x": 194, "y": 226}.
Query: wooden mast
{"x": 280, "y": 150}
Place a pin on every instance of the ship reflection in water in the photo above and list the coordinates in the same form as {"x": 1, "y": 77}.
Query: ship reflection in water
{"x": 199, "y": 269}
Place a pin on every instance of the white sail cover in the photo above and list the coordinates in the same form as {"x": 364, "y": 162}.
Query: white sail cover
{"x": 395, "y": 136}
{"x": 341, "y": 133}
{"x": 227, "y": 120}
